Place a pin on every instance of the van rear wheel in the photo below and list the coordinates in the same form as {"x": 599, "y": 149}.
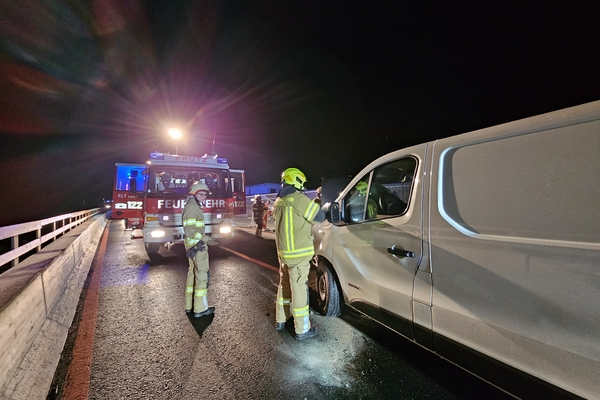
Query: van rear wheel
{"x": 328, "y": 291}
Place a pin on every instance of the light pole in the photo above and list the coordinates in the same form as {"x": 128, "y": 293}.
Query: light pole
{"x": 176, "y": 134}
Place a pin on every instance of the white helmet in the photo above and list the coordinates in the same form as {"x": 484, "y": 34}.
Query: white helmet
{"x": 257, "y": 198}
{"x": 198, "y": 186}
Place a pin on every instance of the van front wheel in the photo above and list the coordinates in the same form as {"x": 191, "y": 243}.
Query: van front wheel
{"x": 328, "y": 291}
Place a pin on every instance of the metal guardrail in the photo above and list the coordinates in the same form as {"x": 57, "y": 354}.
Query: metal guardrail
{"x": 29, "y": 237}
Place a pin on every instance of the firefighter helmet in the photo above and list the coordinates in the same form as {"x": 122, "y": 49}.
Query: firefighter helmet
{"x": 198, "y": 187}
{"x": 294, "y": 177}
{"x": 257, "y": 198}
{"x": 361, "y": 187}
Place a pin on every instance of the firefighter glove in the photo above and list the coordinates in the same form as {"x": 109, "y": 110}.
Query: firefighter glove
{"x": 191, "y": 253}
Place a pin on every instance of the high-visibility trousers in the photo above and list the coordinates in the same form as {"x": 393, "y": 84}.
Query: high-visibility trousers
{"x": 196, "y": 287}
{"x": 292, "y": 294}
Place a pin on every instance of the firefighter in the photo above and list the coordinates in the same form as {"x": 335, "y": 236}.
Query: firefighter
{"x": 356, "y": 203}
{"x": 258, "y": 212}
{"x": 294, "y": 215}
{"x": 196, "y": 288}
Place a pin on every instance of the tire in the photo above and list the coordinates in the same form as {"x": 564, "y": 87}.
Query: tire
{"x": 152, "y": 248}
{"x": 328, "y": 292}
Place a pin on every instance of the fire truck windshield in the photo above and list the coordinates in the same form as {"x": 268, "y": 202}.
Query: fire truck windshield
{"x": 176, "y": 180}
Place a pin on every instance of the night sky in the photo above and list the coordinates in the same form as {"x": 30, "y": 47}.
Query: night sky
{"x": 325, "y": 86}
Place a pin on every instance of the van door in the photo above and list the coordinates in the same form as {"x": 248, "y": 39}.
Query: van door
{"x": 380, "y": 247}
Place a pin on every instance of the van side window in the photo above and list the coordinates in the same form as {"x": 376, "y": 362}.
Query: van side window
{"x": 391, "y": 186}
{"x": 356, "y": 200}
{"x": 382, "y": 193}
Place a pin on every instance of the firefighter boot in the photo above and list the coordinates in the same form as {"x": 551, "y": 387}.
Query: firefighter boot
{"x": 311, "y": 333}
{"x": 208, "y": 311}
{"x": 281, "y": 325}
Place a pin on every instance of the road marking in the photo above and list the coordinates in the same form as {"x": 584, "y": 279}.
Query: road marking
{"x": 250, "y": 259}
{"x": 77, "y": 382}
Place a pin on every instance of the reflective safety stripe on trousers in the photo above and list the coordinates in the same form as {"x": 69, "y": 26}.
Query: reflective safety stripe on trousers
{"x": 284, "y": 301}
{"x": 288, "y": 223}
{"x": 201, "y": 295}
{"x": 302, "y": 314}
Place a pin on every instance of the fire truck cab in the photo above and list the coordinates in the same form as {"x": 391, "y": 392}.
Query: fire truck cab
{"x": 152, "y": 197}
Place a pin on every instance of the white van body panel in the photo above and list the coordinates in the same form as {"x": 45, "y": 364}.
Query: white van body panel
{"x": 504, "y": 224}
{"x": 516, "y": 247}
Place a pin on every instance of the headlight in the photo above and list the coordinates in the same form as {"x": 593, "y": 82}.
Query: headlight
{"x": 157, "y": 234}
{"x": 225, "y": 229}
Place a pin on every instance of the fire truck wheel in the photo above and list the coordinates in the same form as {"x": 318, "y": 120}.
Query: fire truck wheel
{"x": 152, "y": 248}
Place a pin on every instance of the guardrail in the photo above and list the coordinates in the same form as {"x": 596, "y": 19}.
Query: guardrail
{"x": 20, "y": 239}
{"x": 39, "y": 297}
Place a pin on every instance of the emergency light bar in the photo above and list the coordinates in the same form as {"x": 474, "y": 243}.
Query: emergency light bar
{"x": 161, "y": 156}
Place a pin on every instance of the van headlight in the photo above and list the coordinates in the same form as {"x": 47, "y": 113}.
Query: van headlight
{"x": 225, "y": 229}
{"x": 157, "y": 234}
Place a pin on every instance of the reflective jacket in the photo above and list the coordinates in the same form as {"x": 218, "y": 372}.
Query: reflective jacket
{"x": 294, "y": 213}
{"x": 193, "y": 222}
{"x": 258, "y": 210}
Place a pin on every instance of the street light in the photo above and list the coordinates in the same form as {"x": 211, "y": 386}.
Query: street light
{"x": 176, "y": 134}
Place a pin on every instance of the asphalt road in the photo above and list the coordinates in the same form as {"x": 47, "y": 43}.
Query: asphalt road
{"x": 144, "y": 346}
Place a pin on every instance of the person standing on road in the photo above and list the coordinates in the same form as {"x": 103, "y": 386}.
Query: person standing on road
{"x": 258, "y": 212}
{"x": 294, "y": 215}
{"x": 196, "y": 288}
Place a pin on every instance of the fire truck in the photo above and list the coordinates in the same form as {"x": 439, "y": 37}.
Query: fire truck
{"x": 151, "y": 197}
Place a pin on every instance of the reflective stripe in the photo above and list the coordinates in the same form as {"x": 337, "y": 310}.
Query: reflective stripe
{"x": 289, "y": 227}
{"x": 307, "y": 251}
{"x": 194, "y": 222}
{"x": 311, "y": 211}
{"x": 301, "y": 318}
{"x": 283, "y": 301}
{"x": 200, "y": 295}
{"x": 189, "y": 289}
{"x": 300, "y": 312}
{"x": 189, "y": 242}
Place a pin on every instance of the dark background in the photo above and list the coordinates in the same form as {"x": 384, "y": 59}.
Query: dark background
{"x": 325, "y": 86}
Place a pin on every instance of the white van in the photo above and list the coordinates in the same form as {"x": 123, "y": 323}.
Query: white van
{"x": 483, "y": 248}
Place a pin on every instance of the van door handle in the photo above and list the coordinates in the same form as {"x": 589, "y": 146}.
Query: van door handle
{"x": 400, "y": 252}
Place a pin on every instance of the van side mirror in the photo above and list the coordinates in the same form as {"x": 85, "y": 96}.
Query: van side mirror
{"x": 333, "y": 213}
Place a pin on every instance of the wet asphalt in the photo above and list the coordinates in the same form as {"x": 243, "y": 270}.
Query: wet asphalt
{"x": 146, "y": 347}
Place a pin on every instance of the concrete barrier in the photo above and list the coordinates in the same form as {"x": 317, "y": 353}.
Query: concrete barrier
{"x": 38, "y": 300}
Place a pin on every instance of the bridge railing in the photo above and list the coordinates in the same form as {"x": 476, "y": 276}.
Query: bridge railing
{"x": 22, "y": 240}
